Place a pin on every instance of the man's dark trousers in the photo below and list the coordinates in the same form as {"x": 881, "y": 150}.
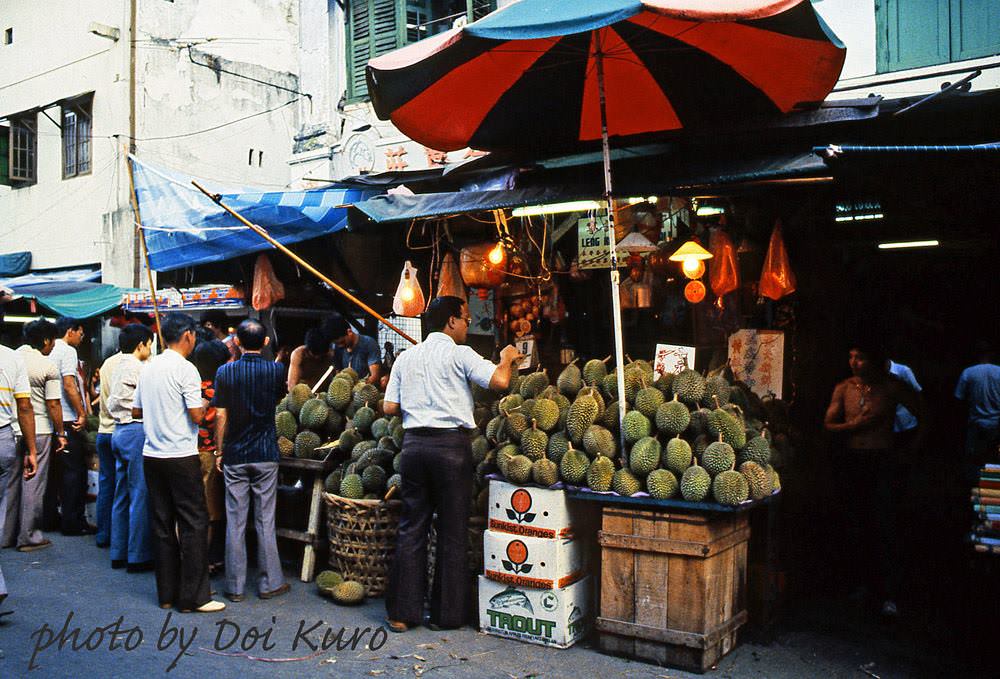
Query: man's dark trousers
{"x": 437, "y": 476}
{"x": 179, "y": 522}
{"x": 69, "y": 487}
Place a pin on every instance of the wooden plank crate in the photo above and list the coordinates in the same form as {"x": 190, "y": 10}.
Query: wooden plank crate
{"x": 673, "y": 585}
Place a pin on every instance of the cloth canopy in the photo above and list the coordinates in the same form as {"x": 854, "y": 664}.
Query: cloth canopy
{"x": 15, "y": 264}
{"x": 83, "y": 303}
{"x": 184, "y": 228}
{"x": 393, "y": 208}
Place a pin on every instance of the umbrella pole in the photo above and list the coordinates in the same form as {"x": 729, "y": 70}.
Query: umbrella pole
{"x": 616, "y": 303}
{"x": 301, "y": 262}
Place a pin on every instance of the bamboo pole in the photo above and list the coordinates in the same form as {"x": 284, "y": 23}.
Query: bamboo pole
{"x": 260, "y": 231}
{"x": 145, "y": 250}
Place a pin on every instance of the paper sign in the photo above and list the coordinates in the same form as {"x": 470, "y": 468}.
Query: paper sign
{"x": 757, "y": 358}
{"x": 594, "y": 244}
{"x": 527, "y": 348}
{"x": 672, "y": 358}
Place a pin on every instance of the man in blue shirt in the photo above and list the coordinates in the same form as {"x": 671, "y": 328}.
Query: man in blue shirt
{"x": 979, "y": 387}
{"x": 246, "y": 393}
{"x": 359, "y": 352}
{"x": 429, "y": 386}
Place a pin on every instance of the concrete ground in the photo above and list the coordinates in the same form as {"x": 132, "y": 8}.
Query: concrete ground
{"x": 72, "y": 582}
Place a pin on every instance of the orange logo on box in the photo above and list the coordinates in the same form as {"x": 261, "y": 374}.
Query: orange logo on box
{"x": 520, "y": 503}
{"x": 517, "y": 555}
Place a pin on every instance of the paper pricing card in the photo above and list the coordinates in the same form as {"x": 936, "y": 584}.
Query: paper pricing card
{"x": 672, "y": 358}
{"x": 757, "y": 358}
{"x": 527, "y": 349}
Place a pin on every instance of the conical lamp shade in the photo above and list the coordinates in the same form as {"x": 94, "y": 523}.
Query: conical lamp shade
{"x": 690, "y": 250}
{"x": 636, "y": 242}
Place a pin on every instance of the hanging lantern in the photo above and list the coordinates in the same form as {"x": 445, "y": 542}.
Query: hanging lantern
{"x": 477, "y": 267}
{"x": 497, "y": 255}
{"x": 692, "y": 250}
{"x": 693, "y": 268}
{"x": 409, "y": 298}
{"x": 694, "y": 292}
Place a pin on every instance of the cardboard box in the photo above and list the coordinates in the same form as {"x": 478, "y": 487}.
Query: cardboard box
{"x": 92, "y": 482}
{"x": 534, "y": 512}
{"x": 540, "y": 563}
{"x": 550, "y": 617}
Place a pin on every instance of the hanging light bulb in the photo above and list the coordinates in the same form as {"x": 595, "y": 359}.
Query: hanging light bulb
{"x": 693, "y": 268}
{"x": 407, "y": 294}
{"x": 497, "y": 255}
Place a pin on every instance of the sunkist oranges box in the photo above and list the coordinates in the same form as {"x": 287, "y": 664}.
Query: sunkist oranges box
{"x": 552, "y": 617}
{"x": 541, "y": 563}
{"x": 533, "y": 512}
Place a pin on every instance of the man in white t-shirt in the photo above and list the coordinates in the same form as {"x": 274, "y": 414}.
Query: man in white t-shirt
{"x": 15, "y": 406}
{"x": 169, "y": 403}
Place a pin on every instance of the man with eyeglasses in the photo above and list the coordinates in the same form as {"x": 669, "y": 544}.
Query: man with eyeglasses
{"x": 429, "y": 387}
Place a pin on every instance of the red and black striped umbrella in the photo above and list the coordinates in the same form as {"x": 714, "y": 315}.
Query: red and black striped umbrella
{"x": 526, "y": 76}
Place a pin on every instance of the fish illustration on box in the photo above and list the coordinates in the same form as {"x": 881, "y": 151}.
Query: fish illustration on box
{"x": 511, "y": 597}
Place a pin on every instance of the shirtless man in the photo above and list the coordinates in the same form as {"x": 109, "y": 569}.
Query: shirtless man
{"x": 868, "y": 473}
{"x": 311, "y": 360}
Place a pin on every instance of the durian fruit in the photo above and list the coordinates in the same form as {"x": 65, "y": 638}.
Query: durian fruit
{"x": 361, "y": 448}
{"x": 672, "y": 417}
{"x": 716, "y": 391}
{"x": 348, "y": 439}
{"x": 645, "y": 456}
{"x": 528, "y": 409}
{"x": 334, "y": 423}
{"x": 286, "y": 446}
{"x": 699, "y": 444}
{"x": 348, "y": 593}
{"x": 570, "y": 380}
{"x": 546, "y": 411}
{"x": 636, "y": 425}
{"x": 380, "y": 428}
{"x": 664, "y": 383}
{"x": 363, "y": 419}
{"x": 582, "y": 413}
{"x": 661, "y": 484}
{"x": 610, "y": 419}
{"x": 327, "y": 580}
{"x": 594, "y": 393}
{"x": 306, "y": 443}
{"x": 282, "y": 406}
{"x": 758, "y": 480}
{"x": 332, "y": 482}
{"x": 609, "y": 385}
{"x": 558, "y": 445}
{"x": 395, "y": 481}
{"x": 313, "y": 414}
{"x": 504, "y": 455}
{"x": 600, "y": 473}
{"x": 545, "y": 472}
{"x": 286, "y": 425}
{"x": 758, "y": 450}
{"x": 339, "y": 393}
{"x": 775, "y": 478}
{"x": 732, "y": 431}
{"x": 719, "y": 456}
{"x": 373, "y": 479}
{"x": 689, "y": 386}
{"x": 534, "y": 442}
{"x": 695, "y": 483}
{"x": 480, "y": 416}
{"x": 573, "y": 466}
{"x": 480, "y": 446}
{"x": 352, "y": 487}
{"x": 624, "y": 483}
{"x": 397, "y": 436}
{"x": 699, "y": 422}
{"x": 532, "y": 385}
{"x": 515, "y": 384}
{"x": 397, "y": 463}
{"x": 730, "y": 488}
{"x": 297, "y": 398}
{"x": 676, "y": 455}
{"x": 519, "y": 469}
{"x": 594, "y": 371}
{"x": 495, "y": 429}
{"x": 599, "y": 441}
{"x": 365, "y": 393}
{"x": 517, "y": 424}
{"x": 349, "y": 374}
{"x": 647, "y": 400}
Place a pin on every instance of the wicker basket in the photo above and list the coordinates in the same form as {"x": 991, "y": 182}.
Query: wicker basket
{"x": 363, "y": 539}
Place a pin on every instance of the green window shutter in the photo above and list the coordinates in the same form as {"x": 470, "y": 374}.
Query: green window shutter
{"x": 4, "y": 155}
{"x": 912, "y": 33}
{"x": 373, "y": 28}
{"x": 975, "y": 29}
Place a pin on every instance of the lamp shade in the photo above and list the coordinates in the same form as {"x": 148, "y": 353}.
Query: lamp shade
{"x": 636, "y": 242}
{"x": 690, "y": 250}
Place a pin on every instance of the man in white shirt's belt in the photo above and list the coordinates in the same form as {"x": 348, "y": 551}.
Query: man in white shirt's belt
{"x": 429, "y": 386}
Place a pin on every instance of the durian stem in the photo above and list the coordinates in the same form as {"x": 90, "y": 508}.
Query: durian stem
{"x": 389, "y": 493}
{"x": 715, "y": 397}
{"x": 720, "y": 437}
{"x": 606, "y": 359}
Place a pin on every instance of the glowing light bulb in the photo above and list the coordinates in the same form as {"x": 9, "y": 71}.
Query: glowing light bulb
{"x": 407, "y": 294}
{"x": 496, "y": 255}
{"x": 693, "y": 268}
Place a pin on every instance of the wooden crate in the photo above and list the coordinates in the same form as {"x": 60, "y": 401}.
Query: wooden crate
{"x": 672, "y": 585}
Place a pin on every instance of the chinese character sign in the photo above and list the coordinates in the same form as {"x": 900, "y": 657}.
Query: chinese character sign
{"x": 757, "y": 358}
{"x": 595, "y": 245}
{"x": 672, "y": 358}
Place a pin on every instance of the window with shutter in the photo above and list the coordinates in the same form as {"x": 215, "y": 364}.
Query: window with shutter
{"x": 76, "y": 121}
{"x": 23, "y": 150}
{"x": 917, "y": 33}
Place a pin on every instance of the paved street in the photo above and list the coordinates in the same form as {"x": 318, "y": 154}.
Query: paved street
{"x": 73, "y": 577}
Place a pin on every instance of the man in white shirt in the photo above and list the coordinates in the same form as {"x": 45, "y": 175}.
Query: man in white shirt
{"x": 23, "y": 526}
{"x": 15, "y": 405}
{"x": 129, "y": 533}
{"x": 105, "y": 455}
{"x": 168, "y": 401}
{"x": 429, "y": 386}
{"x": 70, "y": 467}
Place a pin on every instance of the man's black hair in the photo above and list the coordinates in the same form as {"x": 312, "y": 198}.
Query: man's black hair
{"x": 440, "y": 310}
{"x": 335, "y": 327}
{"x": 37, "y": 333}
{"x": 64, "y": 324}
{"x": 174, "y": 325}
{"x": 132, "y": 336}
{"x": 208, "y": 357}
{"x": 317, "y": 343}
{"x": 251, "y": 334}
{"x": 217, "y": 318}
{"x": 873, "y": 349}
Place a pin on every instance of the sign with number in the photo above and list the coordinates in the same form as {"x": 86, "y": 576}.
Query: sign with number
{"x": 672, "y": 358}
{"x": 527, "y": 348}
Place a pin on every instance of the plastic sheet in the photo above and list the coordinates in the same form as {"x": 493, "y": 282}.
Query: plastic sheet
{"x": 777, "y": 278}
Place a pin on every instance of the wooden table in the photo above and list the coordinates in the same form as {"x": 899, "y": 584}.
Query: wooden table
{"x": 317, "y": 470}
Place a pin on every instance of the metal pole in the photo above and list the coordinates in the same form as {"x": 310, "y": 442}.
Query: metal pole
{"x": 616, "y": 305}
{"x": 145, "y": 250}
{"x": 303, "y": 263}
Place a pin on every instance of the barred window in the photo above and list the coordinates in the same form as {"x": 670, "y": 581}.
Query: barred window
{"x": 23, "y": 152}
{"x": 76, "y": 121}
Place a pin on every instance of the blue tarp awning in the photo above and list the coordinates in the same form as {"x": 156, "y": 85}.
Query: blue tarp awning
{"x": 83, "y": 303}
{"x": 394, "y": 208}
{"x": 15, "y": 263}
{"x": 184, "y": 228}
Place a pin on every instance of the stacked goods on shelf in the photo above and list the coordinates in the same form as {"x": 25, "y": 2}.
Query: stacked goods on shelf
{"x": 985, "y": 497}
{"x": 686, "y": 436}
{"x": 534, "y": 587}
